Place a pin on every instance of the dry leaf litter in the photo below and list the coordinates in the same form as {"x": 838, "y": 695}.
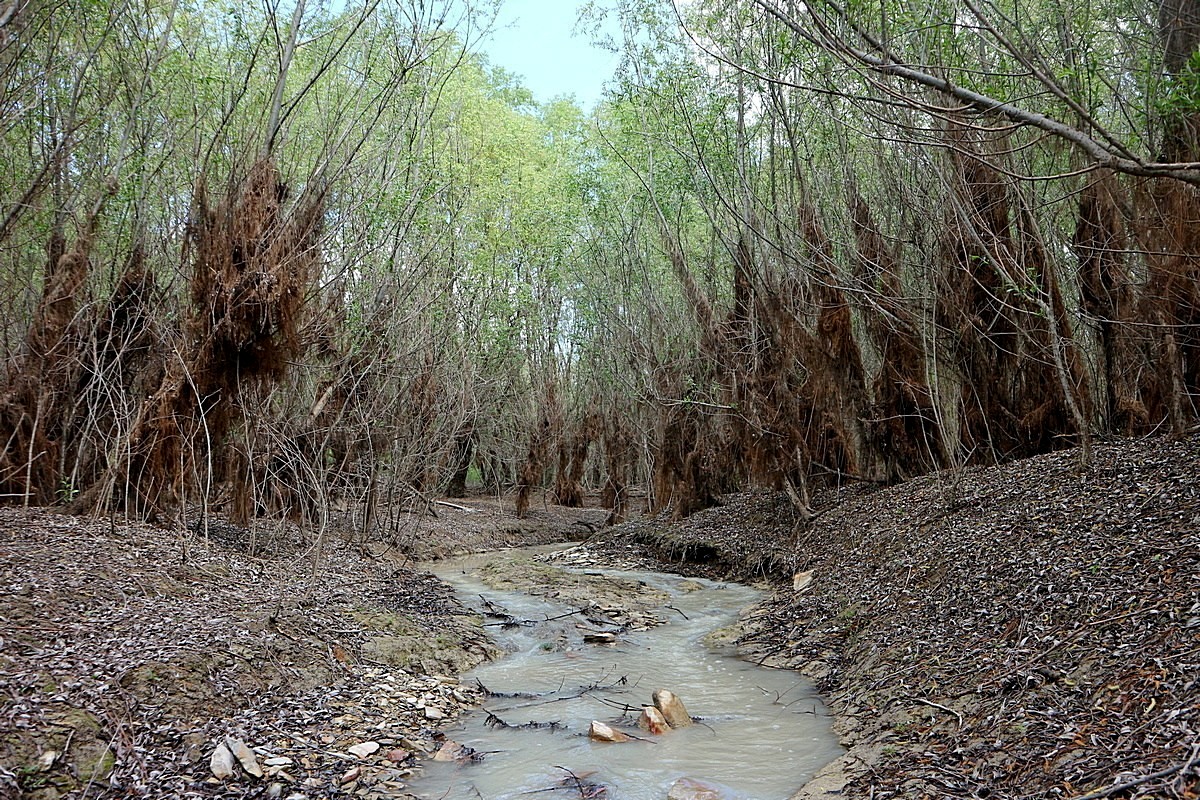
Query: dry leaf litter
{"x": 1030, "y": 630}
{"x": 1024, "y": 631}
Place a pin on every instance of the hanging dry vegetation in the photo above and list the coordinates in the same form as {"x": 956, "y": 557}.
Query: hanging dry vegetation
{"x": 252, "y": 261}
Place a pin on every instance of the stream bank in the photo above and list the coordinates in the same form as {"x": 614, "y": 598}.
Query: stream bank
{"x": 1029, "y": 630}
{"x": 130, "y": 652}
{"x": 1022, "y": 631}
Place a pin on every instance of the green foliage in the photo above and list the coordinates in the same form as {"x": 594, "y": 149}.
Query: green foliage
{"x": 1181, "y": 92}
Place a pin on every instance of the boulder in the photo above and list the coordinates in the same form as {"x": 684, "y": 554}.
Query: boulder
{"x": 606, "y": 733}
{"x": 672, "y": 709}
{"x": 652, "y": 720}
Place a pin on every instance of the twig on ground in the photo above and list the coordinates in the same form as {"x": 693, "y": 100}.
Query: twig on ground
{"x": 957, "y": 715}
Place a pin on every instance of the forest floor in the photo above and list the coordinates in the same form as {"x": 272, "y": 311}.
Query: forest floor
{"x": 129, "y": 653}
{"x": 1029, "y": 630}
{"x": 1022, "y": 631}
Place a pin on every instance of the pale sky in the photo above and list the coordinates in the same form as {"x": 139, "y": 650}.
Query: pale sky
{"x": 534, "y": 39}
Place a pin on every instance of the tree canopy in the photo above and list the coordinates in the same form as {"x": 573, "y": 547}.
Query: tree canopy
{"x": 286, "y": 259}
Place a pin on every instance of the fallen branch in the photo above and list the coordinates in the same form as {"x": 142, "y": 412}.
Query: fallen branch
{"x": 457, "y": 507}
{"x": 957, "y": 715}
{"x": 587, "y": 791}
{"x": 494, "y": 721}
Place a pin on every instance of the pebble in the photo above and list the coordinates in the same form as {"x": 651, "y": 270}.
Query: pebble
{"x": 363, "y": 749}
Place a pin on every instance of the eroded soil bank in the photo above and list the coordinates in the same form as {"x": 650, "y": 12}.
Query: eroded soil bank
{"x": 1025, "y": 631}
{"x": 129, "y": 652}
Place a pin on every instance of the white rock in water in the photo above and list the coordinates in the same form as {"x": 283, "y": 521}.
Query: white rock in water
{"x": 672, "y": 709}
{"x": 244, "y": 755}
{"x": 605, "y": 733}
{"x": 222, "y": 763}
{"x": 363, "y": 749}
{"x": 652, "y": 720}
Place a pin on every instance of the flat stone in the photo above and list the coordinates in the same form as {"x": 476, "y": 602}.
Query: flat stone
{"x": 363, "y": 749}
{"x": 244, "y": 755}
{"x": 692, "y": 789}
{"x": 222, "y": 763}
{"x": 452, "y": 751}
{"x": 433, "y": 712}
{"x": 801, "y": 580}
{"x": 600, "y": 732}
{"x": 398, "y": 754}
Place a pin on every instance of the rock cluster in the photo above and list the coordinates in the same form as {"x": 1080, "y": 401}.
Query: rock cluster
{"x": 667, "y": 713}
{"x": 363, "y": 739}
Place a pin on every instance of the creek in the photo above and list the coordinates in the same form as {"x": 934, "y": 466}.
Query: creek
{"x": 760, "y": 733}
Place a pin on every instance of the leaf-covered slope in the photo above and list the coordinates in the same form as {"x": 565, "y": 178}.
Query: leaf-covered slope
{"x": 1024, "y": 630}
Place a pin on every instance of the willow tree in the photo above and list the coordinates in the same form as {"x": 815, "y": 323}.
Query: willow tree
{"x": 902, "y": 236}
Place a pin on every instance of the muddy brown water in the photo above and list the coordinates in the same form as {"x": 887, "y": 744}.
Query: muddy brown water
{"x": 761, "y": 733}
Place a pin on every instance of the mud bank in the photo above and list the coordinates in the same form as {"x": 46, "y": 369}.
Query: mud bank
{"x": 1030, "y": 630}
{"x": 129, "y": 652}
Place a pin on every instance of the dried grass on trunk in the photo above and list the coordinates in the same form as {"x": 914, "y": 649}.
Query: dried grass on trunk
{"x": 1107, "y": 294}
{"x": 619, "y": 462}
{"x": 572, "y": 460}
{"x": 532, "y": 469}
{"x": 252, "y": 262}
{"x": 1168, "y": 230}
{"x": 903, "y": 417}
{"x": 996, "y": 285}
{"x": 39, "y": 387}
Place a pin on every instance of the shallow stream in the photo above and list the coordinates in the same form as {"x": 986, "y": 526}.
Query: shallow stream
{"x": 760, "y": 733}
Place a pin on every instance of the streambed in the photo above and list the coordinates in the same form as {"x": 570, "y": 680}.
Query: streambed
{"x": 760, "y": 733}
